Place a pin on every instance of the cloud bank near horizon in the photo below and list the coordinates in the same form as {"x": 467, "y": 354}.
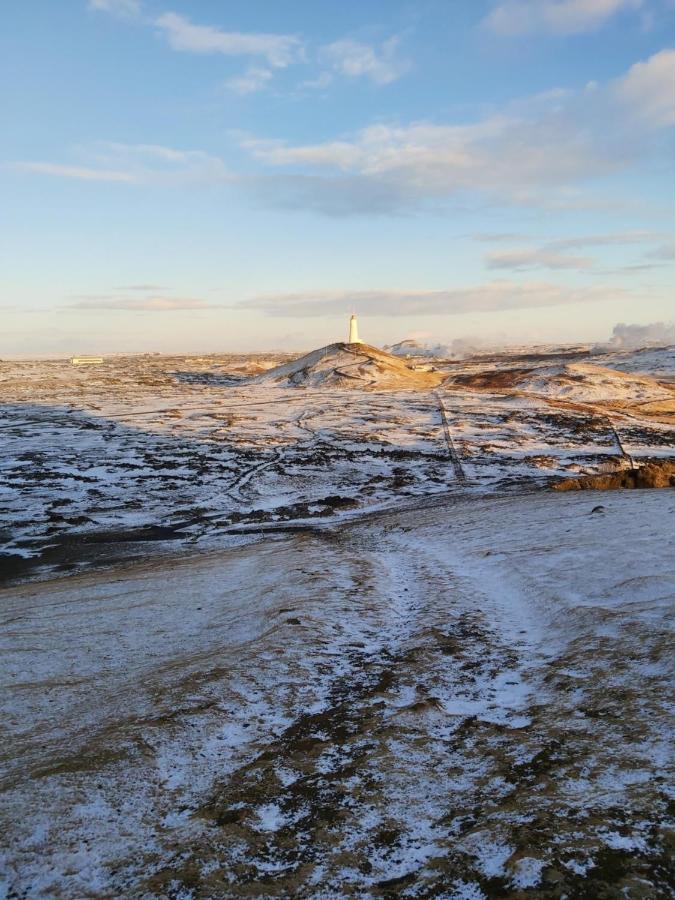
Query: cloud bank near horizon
{"x": 496, "y": 296}
{"x": 143, "y": 304}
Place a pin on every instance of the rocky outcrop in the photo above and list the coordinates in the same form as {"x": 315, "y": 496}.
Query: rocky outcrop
{"x": 653, "y": 474}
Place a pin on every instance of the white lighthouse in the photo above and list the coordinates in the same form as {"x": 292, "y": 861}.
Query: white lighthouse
{"x": 354, "y": 331}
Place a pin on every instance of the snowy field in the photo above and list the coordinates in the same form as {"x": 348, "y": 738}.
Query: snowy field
{"x": 179, "y": 451}
{"x": 464, "y": 700}
{"x": 268, "y": 635}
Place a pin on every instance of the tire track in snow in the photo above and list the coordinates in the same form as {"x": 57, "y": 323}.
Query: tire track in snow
{"x": 460, "y": 474}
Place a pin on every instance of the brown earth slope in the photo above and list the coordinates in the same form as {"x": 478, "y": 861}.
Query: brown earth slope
{"x": 350, "y": 366}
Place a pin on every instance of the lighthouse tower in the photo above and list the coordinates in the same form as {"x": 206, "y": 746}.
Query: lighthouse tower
{"x": 354, "y": 331}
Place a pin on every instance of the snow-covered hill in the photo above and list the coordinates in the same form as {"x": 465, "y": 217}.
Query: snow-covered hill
{"x": 412, "y": 348}
{"x": 658, "y": 361}
{"x": 578, "y": 382}
{"x": 348, "y": 366}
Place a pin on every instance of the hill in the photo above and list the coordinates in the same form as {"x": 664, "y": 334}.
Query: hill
{"x": 411, "y": 347}
{"x": 350, "y": 366}
{"x": 577, "y": 382}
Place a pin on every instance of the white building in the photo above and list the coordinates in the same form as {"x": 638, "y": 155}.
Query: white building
{"x": 86, "y": 360}
{"x": 354, "y": 331}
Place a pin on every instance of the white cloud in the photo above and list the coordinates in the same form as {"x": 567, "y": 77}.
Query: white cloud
{"x": 538, "y": 152}
{"x": 81, "y": 173}
{"x": 122, "y": 8}
{"x": 554, "y": 254}
{"x": 533, "y": 153}
{"x": 576, "y": 241}
{"x": 330, "y": 195}
{"x": 358, "y": 60}
{"x": 322, "y": 80}
{"x": 501, "y": 237}
{"x": 517, "y": 17}
{"x": 503, "y": 156}
{"x": 252, "y": 80}
{"x": 279, "y": 50}
{"x": 140, "y": 287}
{"x": 613, "y": 239}
{"x": 148, "y": 304}
{"x": 665, "y": 252}
{"x": 519, "y": 260}
{"x": 649, "y": 89}
{"x": 136, "y": 164}
{"x": 492, "y": 297}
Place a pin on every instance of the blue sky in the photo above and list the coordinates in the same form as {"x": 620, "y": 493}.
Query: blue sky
{"x": 235, "y": 176}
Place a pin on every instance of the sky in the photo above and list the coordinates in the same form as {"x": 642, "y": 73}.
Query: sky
{"x": 203, "y": 175}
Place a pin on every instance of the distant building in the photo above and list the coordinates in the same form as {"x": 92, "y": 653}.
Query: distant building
{"x": 86, "y": 360}
{"x": 354, "y": 331}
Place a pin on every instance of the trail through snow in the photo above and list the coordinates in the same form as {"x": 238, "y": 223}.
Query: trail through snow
{"x": 455, "y": 700}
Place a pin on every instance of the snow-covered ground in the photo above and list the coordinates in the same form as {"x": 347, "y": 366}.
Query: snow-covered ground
{"x": 468, "y": 699}
{"x": 589, "y": 383}
{"x": 190, "y": 450}
{"x": 326, "y": 642}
